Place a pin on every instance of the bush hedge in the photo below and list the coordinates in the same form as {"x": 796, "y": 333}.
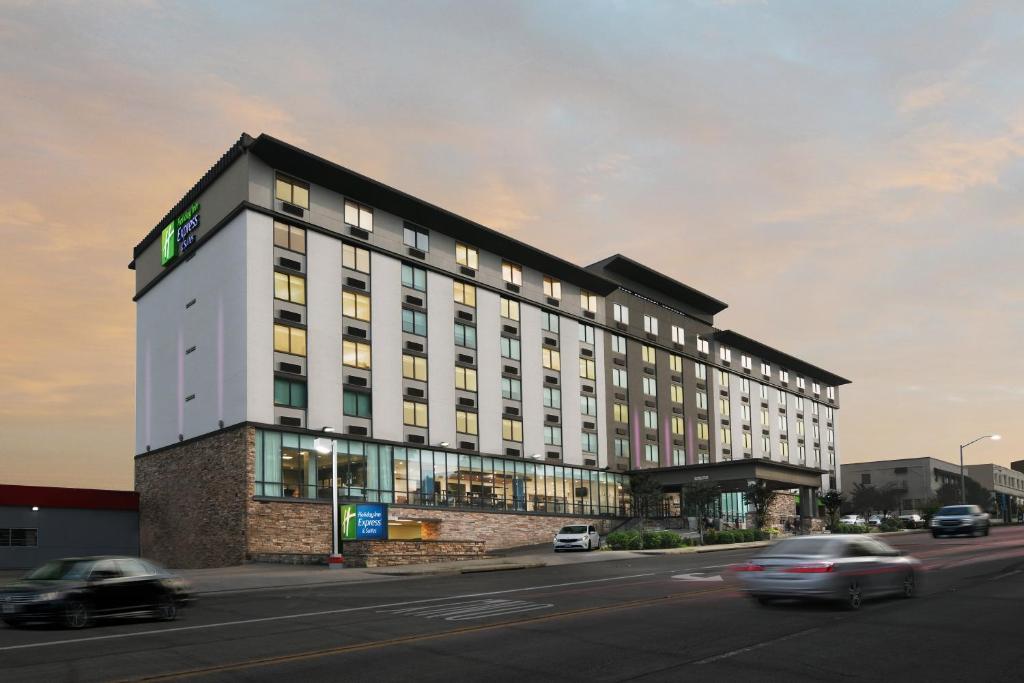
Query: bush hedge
{"x": 890, "y": 524}
{"x": 851, "y": 529}
{"x": 631, "y": 540}
{"x": 713, "y": 537}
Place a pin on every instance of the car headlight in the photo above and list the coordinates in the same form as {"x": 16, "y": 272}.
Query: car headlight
{"x": 934, "y": 522}
{"x": 49, "y": 597}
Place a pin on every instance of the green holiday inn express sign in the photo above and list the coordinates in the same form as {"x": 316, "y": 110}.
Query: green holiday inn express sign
{"x": 179, "y": 235}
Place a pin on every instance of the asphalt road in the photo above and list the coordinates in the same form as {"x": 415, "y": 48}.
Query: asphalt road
{"x": 646, "y": 618}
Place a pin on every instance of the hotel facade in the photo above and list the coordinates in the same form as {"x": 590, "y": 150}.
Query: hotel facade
{"x": 483, "y": 388}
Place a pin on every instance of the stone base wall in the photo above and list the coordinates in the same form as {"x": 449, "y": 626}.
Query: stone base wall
{"x": 783, "y": 508}
{"x": 288, "y": 527}
{"x": 394, "y": 553}
{"x": 192, "y": 500}
{"x": 498, "y": 530}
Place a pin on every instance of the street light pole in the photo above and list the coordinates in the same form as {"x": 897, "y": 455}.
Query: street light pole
{"x": 963, "y": 480}
{"x": 335, "y": 558}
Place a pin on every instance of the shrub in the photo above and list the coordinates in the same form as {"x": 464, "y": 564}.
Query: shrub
{"x": 710, "y": 537}
{"x": 623, "y": 540}
{"x": 851, "y": 529}
{"x": 890, "y": 524}
{"x": 727, "y": 537}
{"x": 747, "y": 535}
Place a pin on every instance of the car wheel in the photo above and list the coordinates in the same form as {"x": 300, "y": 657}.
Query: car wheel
{"x": 76, "y": 614}
{"x": 763, "y": 599}
{"x": 588, "y": 548}
{"x": 987, "y": 527}
{"x": 854, "y": 596}
{"x": 12, "y": 623}
{"x": 166, "y": 608}
{"x": 935, "y": 534}
{"x": 909, "y": 585}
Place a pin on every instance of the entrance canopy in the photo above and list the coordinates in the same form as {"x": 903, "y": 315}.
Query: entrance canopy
{"x": 737, "y": 475}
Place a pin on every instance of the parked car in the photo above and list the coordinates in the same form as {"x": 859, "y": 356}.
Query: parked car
{"x": 851, "y": 519}
{"x": 875, "y": 520}
{"x": 577, "y": 537}
{"x": 76, "y": 591}
{"x": 847, "y": 568}
{"x": 914, "y": 521}
{"x": 953, "y": 520}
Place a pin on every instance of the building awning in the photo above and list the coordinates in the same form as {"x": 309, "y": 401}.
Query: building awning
{"x": 736, "y": 475}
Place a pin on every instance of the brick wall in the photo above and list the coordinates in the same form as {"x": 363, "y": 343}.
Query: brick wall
{"x": 192, "y": 500}
{"x": 393, "y": 553}
{"x": 289, "y": 527}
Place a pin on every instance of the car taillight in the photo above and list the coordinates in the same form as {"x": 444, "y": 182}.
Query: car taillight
{"x": 749, "y": 567}
{"x": 811, "y": 568}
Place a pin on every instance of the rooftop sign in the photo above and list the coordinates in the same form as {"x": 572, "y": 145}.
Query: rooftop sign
{"x": 179, "y": 235}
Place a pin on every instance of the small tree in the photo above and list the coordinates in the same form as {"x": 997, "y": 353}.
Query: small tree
{"x": 759, "y": 497}
{"x": 890, "y": 498}
{"x": 701, "y": 499}
{"x": 832, "y": 500}
{"x": 645, "y": 495}
{"x": 949, "y": 494}
{"x": 864, "y": 498}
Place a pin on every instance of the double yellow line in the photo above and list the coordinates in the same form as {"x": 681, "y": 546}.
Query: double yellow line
{"x": 377, "y": 644}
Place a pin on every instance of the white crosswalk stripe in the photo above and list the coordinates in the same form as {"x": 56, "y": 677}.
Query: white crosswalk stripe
{"x": 473, "y": 609}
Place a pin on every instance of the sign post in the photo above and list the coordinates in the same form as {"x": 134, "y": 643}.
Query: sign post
{"x": 336, "y": 560}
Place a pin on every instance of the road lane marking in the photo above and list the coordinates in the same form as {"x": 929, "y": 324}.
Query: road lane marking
{"x": 696, "y": 576}
{"x": 303, "y": 615}
{"x": 476, "y": 609}
{"x": 756, "y": 646}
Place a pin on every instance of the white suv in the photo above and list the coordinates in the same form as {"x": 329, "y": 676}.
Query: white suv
{"x": 577, "y": 537}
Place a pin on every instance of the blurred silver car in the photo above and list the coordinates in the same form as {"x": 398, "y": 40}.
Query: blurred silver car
{"x": 848, "y": 568}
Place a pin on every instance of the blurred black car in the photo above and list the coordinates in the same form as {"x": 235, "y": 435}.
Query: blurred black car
{"x": 75, "y": 591}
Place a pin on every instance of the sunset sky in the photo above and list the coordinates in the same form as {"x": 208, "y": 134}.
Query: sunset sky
{"x": 863, "y": 157}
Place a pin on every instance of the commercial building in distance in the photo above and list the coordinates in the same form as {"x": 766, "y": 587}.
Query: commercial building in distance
{"x": 482, "y": 387}
{"x": 1006, "y": 485}
{"x": 919, "y": 478}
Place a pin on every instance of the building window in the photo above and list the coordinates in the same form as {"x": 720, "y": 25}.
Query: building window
{"x": 289, "y": 394}
{"x": 464, "y": 294}
{"x": 358, "y": 215}
{"x": 552, "y": 397}
{"x": 620, "y": 413}
{"x": 766, "y": 369}
{"x": 509, "y": 309}
{"x": 618, "y": 344}
{"x": 466, "y": 256}
{"x": 290, "y": 340}
{"x": 678, "y": 457}
{"x": 650, "y": 419}
{"x": 357, "y": 404}
{"x": 700, "y": 370}
{"x": 800, "y": 427}
{"x": 552, "y": 435}
{"x": 414, "y": 414}
{"x": 414, "y": 322}
{"x": 414, "y": 278}
{"x": 783, "y": 425}
{"x": 801, "y": 454}
{"x": 587, "y": 334}
{"x": 651, "y": 452}
{"x": 723, "y": 407}
{"x": 551, "y": 359}
{"x": 465, "y": 335}
{"x": 702, "y": 430}
{"x": 588, "y": 405}
{"x": 355, "y": 354}
{"x": 676, "y": 393}
{"x": 678, "y": 335}
{"x": 744, "y": 385}
{"x": 650, "y": 386}
{"x": 465, "y": 422}
{"x": 620, "y": 314}
{"x": 512, "y": 389}
{"x": 588, "y": 442}
{"x": 549, "y": 321}
{"x": 289, "y": 237}
{"x": 587, "y": 369}
{"x": 675, "y": 363}
{"x": 865, "y": 478}
{"x": 417, "y": 239}
{"x": 414, "y": 367}
{"x": 800, "y": 383}
{"x": 745, "y": 412}
{"x": 784, "y": 449}
{"x": 588, "y": 301}
{"x": 766, "y": 445}
{"x": 816, "y": 388}
{"x": 292, "y": 191}
{"x": 764, "y": 417}
{"x": 745, "y": 362}
{"x": 831, "y": 392}
{"x": 552, "y": 288}
{"x": 354, "y": 305}
{"x": 725, "y": 353}
{"x": 19, "y": 538}
{"x": 702, "y": 345}
{"x": 677, "y": 425}
{"x": 511, "y": 273}
{"x": 465, "y": 378}
{"x": 512, "y": 430}
{"x": 799, "y": 401}
{"x": 726, "y": 435}
{"x": 290, "y": 288}
{"x": 647, "y": 354}
{"x": 831, "y": 436}
{"x": 747, "y": 440}
{"x": 723, "y": 378}
{"x": 780, "y": 395}
{"x": 619, "y": 378}
{"x": 702, "y": 400}
{"x": 703, "y": 458}
{"x": 783, "y": 375}
{"x": 355, "y": 258}
{"x": 510, "y": 348}
{"x": 621, "y": 447}
{"x": 650, "y": 324}
{"x": 816, "y": 431}
{"x": 817, "y": 457}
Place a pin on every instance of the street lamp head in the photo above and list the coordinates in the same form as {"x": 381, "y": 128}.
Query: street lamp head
{"x": 444, "y": 444}
{"x": 995, "y": 437}
{"x": 327, "y": 429}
